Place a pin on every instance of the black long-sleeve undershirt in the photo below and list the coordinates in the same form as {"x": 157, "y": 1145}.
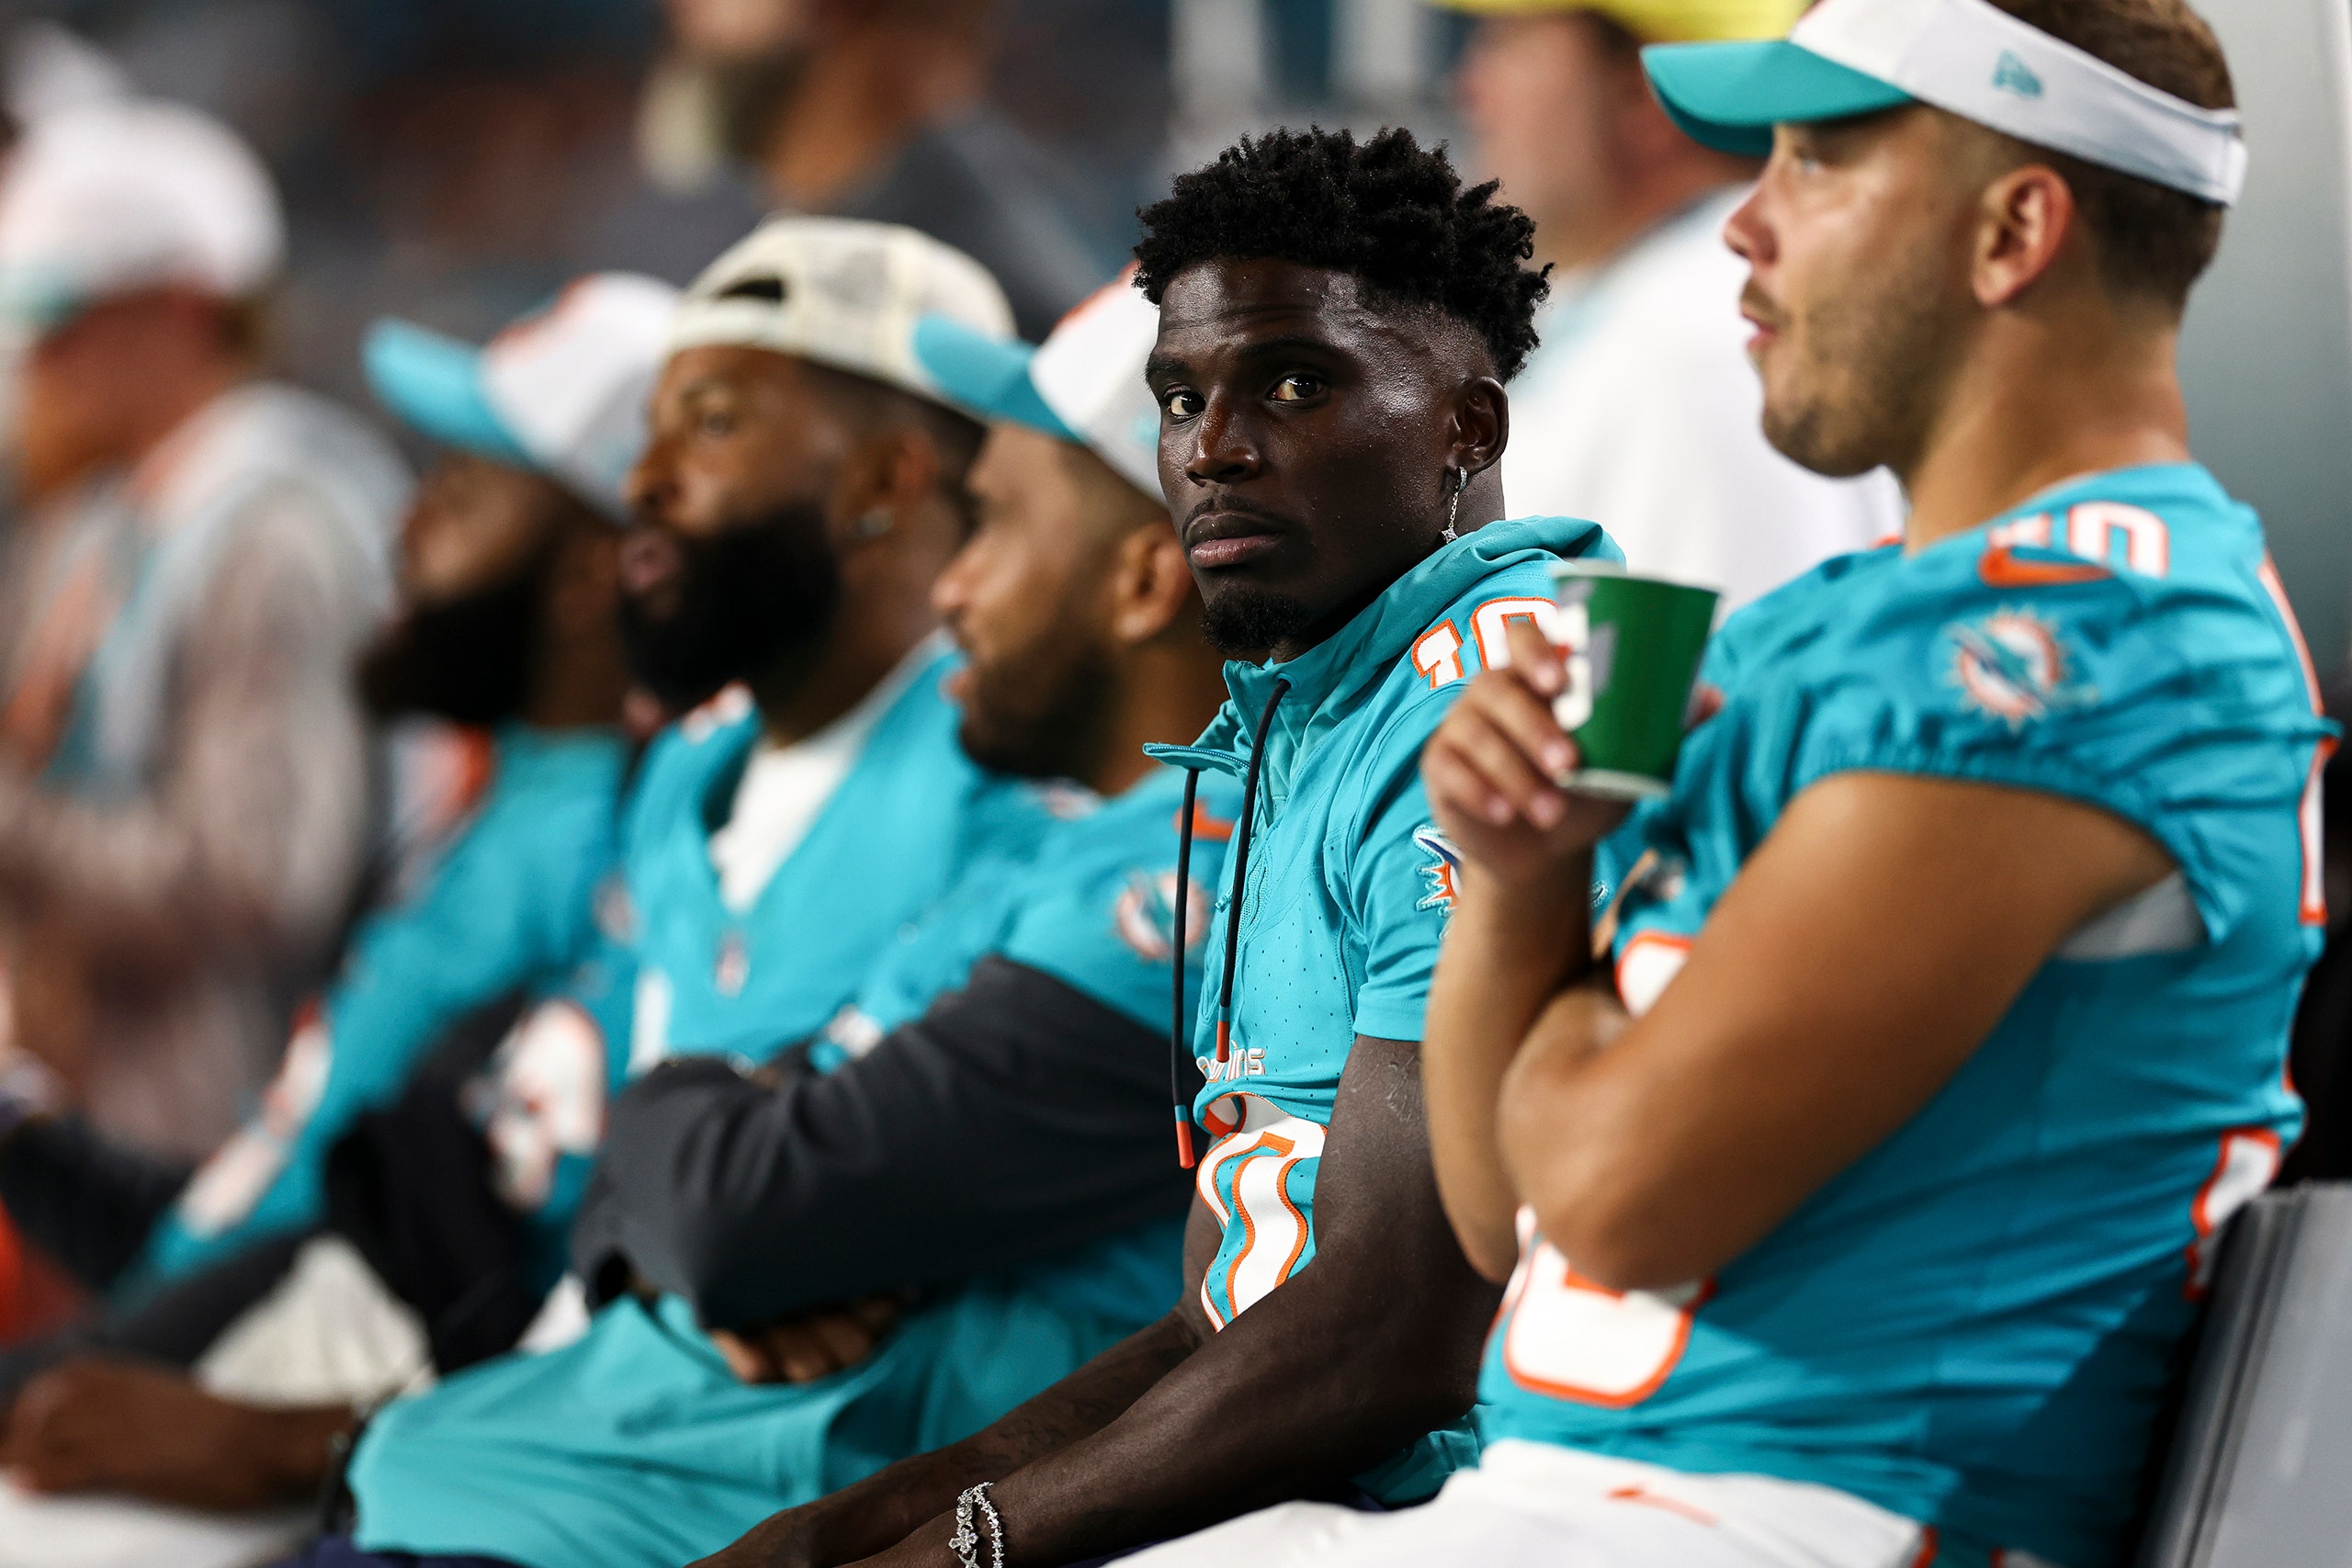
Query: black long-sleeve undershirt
{"x": 1017, "y": 1117}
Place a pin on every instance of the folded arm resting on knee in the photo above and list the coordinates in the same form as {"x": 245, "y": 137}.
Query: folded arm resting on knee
{"x": 1795, "y": 1036}
{"x": 1373, "y": 1344}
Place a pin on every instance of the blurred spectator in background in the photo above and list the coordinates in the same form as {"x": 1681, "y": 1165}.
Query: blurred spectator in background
{"x": 509, "y": 581}
{"x": 184, "y": 781}
{"x": 1640, "y": 410}
{"x": 873, "y": 108}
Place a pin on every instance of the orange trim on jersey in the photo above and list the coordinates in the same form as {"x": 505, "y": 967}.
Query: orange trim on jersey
{"x": 2000, "y": 568}
{"x": 2267, "y": 573}
{"x": 479, "y": 765}
{"x": 2200, "y": 1216}
{"x": 1218, "y": 1125}
{"x": 1578, "y": 1394}
{"x": 1273, "y": 1145}
{"x": 1205, "y": 826}
{"x": 2310, "y": 822}
{"x": 1928, "y": 1545}
{"x": 1437, "y": 655}
{"x": 1647, "y": 1498}
{"x": 1633, "y": 944}
{"x": 1298, "y": 1248}
{"x": 1490, "y": 626}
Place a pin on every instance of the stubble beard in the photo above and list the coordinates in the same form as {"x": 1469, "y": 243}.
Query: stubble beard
{"x": 759, "y": 597}
{"x": 1049, "y": 727}
{"x": 1867, "y": 380}
{"x": 1245, "y": 622}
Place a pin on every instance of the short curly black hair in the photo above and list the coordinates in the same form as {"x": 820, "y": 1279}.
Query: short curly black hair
{"x": 1388, "y": 211}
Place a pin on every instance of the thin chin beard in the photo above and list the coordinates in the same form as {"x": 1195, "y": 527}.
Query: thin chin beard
{"x": 1245, "y": 623}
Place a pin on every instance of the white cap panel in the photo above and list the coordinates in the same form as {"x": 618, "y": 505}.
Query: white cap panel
{"x": 110, "y": 197}
{"x": 1973, "y": 58}
{"x": 1090, "y": 372}
{"x": 848, "y": 294}
{"x": 572, "y": 382}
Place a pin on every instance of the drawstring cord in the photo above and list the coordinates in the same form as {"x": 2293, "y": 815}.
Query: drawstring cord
{"x": 1232, "y": 916}
{"x": 1179, "y": 1048}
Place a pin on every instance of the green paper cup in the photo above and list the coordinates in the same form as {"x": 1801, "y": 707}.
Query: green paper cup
{"x": 1632, "y": 646}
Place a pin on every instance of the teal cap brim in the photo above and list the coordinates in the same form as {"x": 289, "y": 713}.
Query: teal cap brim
{"x": 433, "y": 383}
{"x": 1730, "y": 96}
{"x": 987, "y": 376}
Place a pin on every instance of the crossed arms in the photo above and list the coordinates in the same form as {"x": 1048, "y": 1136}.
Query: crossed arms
{"x": 1862, "y": 953}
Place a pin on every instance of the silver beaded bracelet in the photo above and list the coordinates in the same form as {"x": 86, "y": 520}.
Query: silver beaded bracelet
{"x": 966, "y": 1542}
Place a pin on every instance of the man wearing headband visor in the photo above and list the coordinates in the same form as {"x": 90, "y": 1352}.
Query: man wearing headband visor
{"x": 1856, "y": 1200}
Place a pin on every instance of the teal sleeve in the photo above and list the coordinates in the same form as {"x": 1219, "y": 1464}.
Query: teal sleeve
{"x": 511, "y": 904}
{"x": 2130, "y": 695}
{"x": 1109, "y": 933}
{"x": 1400, "y": 882}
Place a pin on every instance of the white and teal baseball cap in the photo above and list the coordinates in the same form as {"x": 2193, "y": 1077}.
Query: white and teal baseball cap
{"x": 563, "y": 391}
{"x": 842, "y": 292}
{"x": 1968, "y": 57}
{"x": 1083, "y": 384}
{"x": 117, "y": 195}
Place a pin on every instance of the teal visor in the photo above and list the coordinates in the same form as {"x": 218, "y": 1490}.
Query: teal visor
{"x": 433, "y": 384}
{"x": 1730, "y": 96}
{"x": 985, "y": 376}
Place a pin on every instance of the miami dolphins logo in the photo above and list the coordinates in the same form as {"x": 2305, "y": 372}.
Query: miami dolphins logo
{"x": 1440, "y": 873}
{"x": 2010, "y": 665}
{"x": 1145, "y": 915}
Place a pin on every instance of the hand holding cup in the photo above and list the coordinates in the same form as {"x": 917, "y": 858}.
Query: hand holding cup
{"x": 1495, "y": 771}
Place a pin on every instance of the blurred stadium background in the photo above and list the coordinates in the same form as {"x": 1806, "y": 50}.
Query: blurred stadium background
{"x": 454, "y": 161}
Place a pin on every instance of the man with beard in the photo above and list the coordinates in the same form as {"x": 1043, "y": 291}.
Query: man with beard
{"x": 1337, "y": 320}
{"x": 885, "y": 1240}
{"x": 509, "y": 578}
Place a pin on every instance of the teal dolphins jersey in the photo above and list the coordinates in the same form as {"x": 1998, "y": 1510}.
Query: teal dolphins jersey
{"x": 635, "y": 1448}
{"x": 541, "y": 1100}
{"x": 1973, "y": 1324}
{"x": 910, "y": 820}
{"x": 927, "y": 956}
{"x": 513, "y": 905}
{"x": 1348, "y": 890}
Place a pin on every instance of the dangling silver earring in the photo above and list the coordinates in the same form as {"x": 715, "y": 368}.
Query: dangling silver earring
{"x": 1453, "y": 504}
{"x": 874, "y": 523}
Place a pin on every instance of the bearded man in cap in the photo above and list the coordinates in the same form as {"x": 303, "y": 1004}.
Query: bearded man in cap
{"x": 1639, "y": 408}
{"x": 964, "y": 1187}
{"x": 183, "y": 795}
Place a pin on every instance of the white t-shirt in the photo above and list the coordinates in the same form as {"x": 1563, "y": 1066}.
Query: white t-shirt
{"x": 1640, "y": 412}
{"x": 783, "y": 788}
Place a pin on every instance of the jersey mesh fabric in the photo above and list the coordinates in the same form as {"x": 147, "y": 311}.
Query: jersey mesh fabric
{"x": 911, "y": 817}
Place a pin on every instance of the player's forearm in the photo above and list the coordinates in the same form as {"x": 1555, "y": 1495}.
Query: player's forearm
{"x": 1560, "y": 1128}
{"x": 293, "y": 1449}
{"x": 1508, "y": 951}
{"x": 887, "y": 1507}
{"x": 1308, "y": 1387}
